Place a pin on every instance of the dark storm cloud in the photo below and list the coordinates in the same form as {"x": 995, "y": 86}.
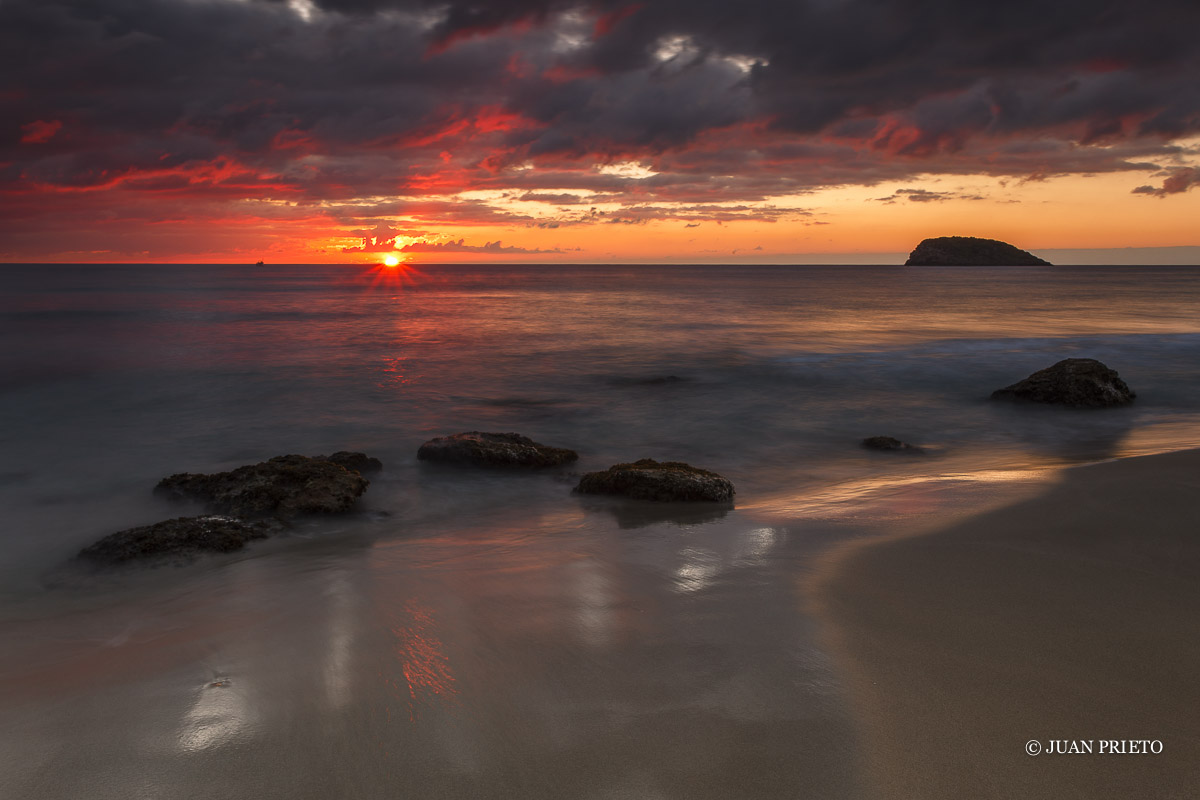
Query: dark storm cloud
{"x": 366, "y": 100}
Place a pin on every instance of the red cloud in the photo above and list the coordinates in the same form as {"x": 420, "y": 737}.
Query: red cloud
{"x": 222, "y": 176}
{"x": 494, "y": 118}
{"x": 453, "y": 37}
{"x": 607, "y": 22}
{"x": 293, "y": 139}
{"x": 563, "y": 74}
{"x": 39, "y": 131}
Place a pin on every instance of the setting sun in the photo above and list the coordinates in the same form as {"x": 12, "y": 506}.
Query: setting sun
{"x": 391, "y": 261}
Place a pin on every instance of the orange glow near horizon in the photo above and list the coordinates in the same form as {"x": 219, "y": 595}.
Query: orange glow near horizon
{"x": 890, "y": 218}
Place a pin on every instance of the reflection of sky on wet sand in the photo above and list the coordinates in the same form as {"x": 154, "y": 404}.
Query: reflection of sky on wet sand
{"x": 220, "y": 713}
{"x": 549, "y": 653}
{"x": 743, "y": 548}
{"x": 916, "y": 497}
{"x": 428, "y": 676}
{"x": 593, "y": 597}
{"x": 698, "y": 569}
{"x": 342, "y": 599}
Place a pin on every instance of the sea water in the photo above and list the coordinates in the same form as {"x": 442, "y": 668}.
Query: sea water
{"x": 474, "y": 633}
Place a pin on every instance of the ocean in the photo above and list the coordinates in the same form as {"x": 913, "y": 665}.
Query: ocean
{"x": 469, "y": 633}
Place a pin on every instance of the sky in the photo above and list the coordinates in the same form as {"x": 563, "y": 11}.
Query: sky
{"x": 302, "y": 131}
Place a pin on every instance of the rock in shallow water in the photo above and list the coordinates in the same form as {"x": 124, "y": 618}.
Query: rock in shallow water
{"x": 494, "y": 450}
{"x": 648, "y": 479}
{"x": 283, "y": 486}
{"x": 1074, "y": 382}
{"x": 183, "y": 536}
{"x": 889, "y": 443}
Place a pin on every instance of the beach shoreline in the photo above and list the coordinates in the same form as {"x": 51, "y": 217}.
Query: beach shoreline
{"x": 472, "y": 633}
{"x": 1068, "y": 620}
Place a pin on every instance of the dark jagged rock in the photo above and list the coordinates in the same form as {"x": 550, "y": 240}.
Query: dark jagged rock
{"x": 181, "y": 537}
{"x": 283, "y": 486}
{"x": 356, "y": 462}
{"x": 494, "y": 450}
{"x": 648, "y": 479}
{"x": 968, "y": 251}
{"x": 1074, "y": 382}
{"x": 890, "y": 444}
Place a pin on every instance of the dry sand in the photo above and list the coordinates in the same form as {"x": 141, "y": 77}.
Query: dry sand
{"x": 1072, "y": 616}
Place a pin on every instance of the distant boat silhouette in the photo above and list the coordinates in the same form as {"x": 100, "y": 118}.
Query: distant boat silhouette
{"x": 258, "y": 264}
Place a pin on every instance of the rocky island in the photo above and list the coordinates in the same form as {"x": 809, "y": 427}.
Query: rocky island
{"x": 968, "y": 251}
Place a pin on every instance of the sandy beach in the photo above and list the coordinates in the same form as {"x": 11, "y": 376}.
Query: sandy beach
{"x": 1068, "y": 620}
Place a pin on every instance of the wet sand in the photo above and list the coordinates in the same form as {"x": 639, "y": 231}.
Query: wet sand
{"x": 589, "y": 649}
{"x": 1073, "y": 616}
{"x": 549, "y": 654}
